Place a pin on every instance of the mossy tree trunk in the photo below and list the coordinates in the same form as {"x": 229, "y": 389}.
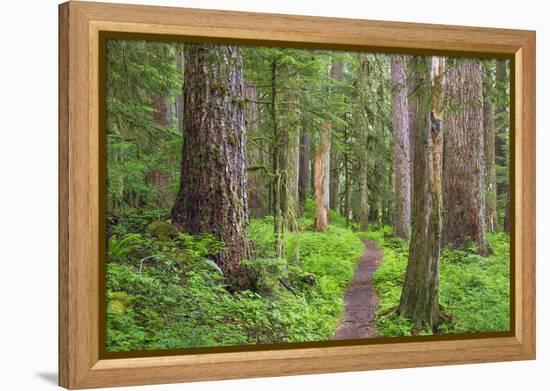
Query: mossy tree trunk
{"x": 419, "y": 297}
{"x": 464, "y": 168}
{"x": 278, "y": 203}
{"x": 212, "y": 196}
{"x": 401, "y": 150}
{"x": 413, "y": 110}
{"x": 290, "y": 154}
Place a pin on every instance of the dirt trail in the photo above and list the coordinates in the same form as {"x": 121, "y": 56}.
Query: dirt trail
{"x": 361, "y": 299}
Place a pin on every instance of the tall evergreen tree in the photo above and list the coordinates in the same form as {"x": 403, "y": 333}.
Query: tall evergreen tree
{"x": 420, "y": 294}
{"x": 322, "y": 163}
{"x": 401, "y": 154}
{"x": 361, "y": 128}
{"x": 212, "y": 196}
{"x": 464, "y": 168}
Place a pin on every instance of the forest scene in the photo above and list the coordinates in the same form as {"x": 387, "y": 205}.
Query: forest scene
{"x": 260, "y": 195}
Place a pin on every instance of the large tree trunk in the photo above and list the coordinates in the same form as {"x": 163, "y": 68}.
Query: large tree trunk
{"x": 291, "y": 150}
{"x": 413, "y": 110}
{"x": 276, "y": 198}
{"x": 212, "y": 196}
{"x": 322, "y": 165}
{"x": 362, "y": 213}
{"x": 464, "y": 168}
{"x": 293, "y": 177}
{"x": 303, "y": 180}
{"x": 322, "y": 180}
{"x": 179, "y": 97}
{"x": 401, "y": 150}
{"x": 284, "y": 194}
{"x": 489, "y": 152}
{"x": 419, "y": 298}
{"x": 502, "y": 125}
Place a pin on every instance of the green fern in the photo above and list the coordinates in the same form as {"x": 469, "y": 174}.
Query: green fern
{"x": 119, "y": 250}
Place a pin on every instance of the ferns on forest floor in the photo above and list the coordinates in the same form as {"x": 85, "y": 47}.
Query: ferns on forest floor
{"x": 163, "y": 292}
{"x": 175, "y": 300}
{"x": 474, "y": 291}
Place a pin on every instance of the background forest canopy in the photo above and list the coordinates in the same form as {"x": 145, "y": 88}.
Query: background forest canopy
{"x": 242, "y": 180}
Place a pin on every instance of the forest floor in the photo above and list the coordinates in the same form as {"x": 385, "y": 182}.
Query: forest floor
{"x": 361, "y": 300}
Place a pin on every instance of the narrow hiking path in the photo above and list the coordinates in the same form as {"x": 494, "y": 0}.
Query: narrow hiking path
{"x": 361, "y": 299}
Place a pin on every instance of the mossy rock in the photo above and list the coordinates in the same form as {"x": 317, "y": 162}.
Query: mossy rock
{"x": 309, "y": 278}
{"x": 161, "y": 230}
{"x": 116, "y": 307}
{"x": 118, "y": 303}
{"x": 299, "y": 276}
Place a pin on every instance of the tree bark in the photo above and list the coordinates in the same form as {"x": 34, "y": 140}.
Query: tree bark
{"x": 284, "y": 194}
{"x": 502, "y": 125}
{"x": 179, "y": 97}
{"x": 413, "y": 110}
{"x": 291, "y": 150}
{"x": 294, "y": 177}
{"x": 212, "y": 196}
{"x": 347, "y": 180}
{"x": 489, "y": 152}
{"x": 419, "y": 297}
{"x": 334, "y": 179}
{"x": 401, "y": 150}
{"x": 322, "y": 180}
{"x": 361, "y": 213}
{"x": 322, "y": 165}
{"x": 464, "y": 168}
{"x": 278, "y": 203}
{"x": 162, "y": 113}
{"x": 303, "y": 180}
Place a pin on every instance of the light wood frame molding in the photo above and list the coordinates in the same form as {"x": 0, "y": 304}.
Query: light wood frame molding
{"x": 80, "y": 24}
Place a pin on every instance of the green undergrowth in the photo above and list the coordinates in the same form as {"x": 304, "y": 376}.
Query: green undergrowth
{"x": 164, "y": 292}
{"x": 474, "y": 290}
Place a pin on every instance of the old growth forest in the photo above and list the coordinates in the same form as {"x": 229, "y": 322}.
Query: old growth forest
{"x": 263, "y": 195}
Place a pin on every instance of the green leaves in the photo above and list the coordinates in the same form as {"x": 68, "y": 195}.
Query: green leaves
{"x": 119, "y": 250}
{"x": 200, "y": 247}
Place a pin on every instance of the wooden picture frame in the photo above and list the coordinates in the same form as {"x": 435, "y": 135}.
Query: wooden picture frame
{"x": 81, "y": 25}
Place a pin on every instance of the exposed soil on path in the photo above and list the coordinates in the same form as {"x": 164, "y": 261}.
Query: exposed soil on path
{"x": 361, "y": 299}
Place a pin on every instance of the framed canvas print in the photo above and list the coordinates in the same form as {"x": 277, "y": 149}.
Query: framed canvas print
{"x": 247, "y": 195}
